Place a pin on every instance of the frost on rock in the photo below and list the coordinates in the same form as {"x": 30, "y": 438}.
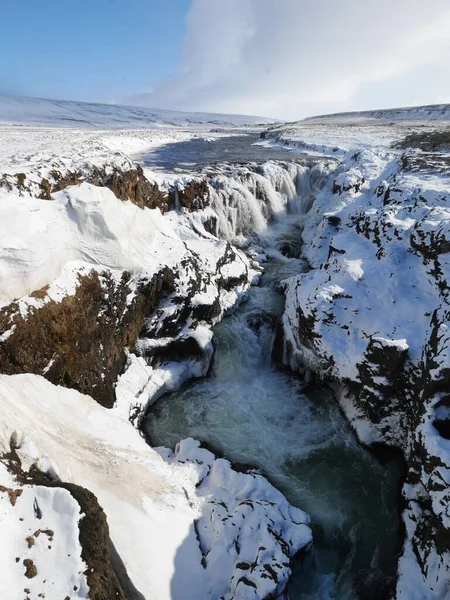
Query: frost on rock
{"x": 372, "y": 317}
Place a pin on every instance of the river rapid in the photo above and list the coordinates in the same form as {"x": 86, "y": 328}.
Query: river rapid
{"x": 253, "y": 411}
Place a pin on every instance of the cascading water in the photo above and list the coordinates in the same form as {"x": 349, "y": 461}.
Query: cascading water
{"x": 256, "y": 413}
{"x": 259, "y": 415}
{"x": 246, "y": 199}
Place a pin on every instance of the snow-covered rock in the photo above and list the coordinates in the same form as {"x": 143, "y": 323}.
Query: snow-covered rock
{"x": 89, "y": 270}
{"x": 185, "y": 525}
{"x": 40, "y": 549}
{"x": 372, "y": 318}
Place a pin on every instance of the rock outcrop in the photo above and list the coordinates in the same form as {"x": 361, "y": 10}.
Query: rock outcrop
{"x": 194, "y": 195}
{"x": 127, "y": 183}
{"x": 80, "y": 341}
{"x": 167, "y": 282}
{"x": 371, "y": 317}
{"x": 49, "y": 513}
{"x": 130, "y": 184}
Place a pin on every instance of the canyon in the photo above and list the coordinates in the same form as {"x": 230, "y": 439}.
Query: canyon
{"x": 177, "y": 298}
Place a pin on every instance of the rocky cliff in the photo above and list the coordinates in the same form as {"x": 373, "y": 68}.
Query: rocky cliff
{"x": 371, "y": 317}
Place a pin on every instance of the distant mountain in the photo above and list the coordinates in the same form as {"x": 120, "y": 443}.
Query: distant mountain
{"x": 433, "y": 112}
{"x": 21, "y": 110}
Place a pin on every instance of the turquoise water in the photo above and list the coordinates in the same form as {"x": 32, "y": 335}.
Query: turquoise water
{"x": 256, "y": 413}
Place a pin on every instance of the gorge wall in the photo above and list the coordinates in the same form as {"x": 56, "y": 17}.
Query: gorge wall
{"x": 371, "y": 318}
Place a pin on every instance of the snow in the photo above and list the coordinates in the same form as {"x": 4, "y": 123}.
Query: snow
{"x": 49, "y": 538}
{"x": 62, "y": 113}
{"x": 376, "y": 238}
{"x": 431, "y": 112}
{"x": 154, "y": 507}
{"x": 86, "y": 223}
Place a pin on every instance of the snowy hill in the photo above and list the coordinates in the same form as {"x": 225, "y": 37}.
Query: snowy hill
{"x": 430, "y": 112}
{"x": 65, "y": 113}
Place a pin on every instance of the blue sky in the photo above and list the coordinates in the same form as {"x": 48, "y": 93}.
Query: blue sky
{"x": 275, "y": 58}
{"x": 88, "y": 49}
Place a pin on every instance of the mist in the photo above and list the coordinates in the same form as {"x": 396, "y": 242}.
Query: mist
{"x": 294, "y": 58}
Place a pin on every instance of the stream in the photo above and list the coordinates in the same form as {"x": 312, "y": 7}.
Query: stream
{"x": 253, "y": 411}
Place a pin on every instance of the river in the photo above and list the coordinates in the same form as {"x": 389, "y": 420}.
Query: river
{"x": 255, "y": 412}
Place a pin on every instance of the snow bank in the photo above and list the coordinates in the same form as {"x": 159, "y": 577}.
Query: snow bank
{"x": 188, "y": 526}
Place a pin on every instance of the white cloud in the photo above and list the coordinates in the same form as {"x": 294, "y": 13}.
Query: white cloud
{"x": 291, "y": 58}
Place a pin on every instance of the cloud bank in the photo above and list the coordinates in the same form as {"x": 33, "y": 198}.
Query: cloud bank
{"x": 294, "y": 58}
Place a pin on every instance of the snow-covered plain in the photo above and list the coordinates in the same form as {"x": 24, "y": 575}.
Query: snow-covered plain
{"x": 431, "y": 112}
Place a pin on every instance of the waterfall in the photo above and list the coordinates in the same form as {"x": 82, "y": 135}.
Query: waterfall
{"x": 246, "y": 199}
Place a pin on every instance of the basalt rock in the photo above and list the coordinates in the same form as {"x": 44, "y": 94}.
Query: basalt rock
{"x": 194, "y": 195}
{"x": 80, "y": 341}
{"x": 125, "y": 184}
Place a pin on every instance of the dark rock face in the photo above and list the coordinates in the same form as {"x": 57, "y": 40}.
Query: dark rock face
{"x": 93, "y": 532}
{"x": 168, "y": 322}
{"x": 194, "y": 196}
{"x": 385, "y": 363}
{"x": 80, "y": 341}
{"x": 95, "y": 545}
{"x": 430, "y": 237}
{"x": 126, "y": 185}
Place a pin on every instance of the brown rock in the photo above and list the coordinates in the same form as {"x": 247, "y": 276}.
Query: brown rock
{"x": 30, "y": 541}
{"x": 83, "y": 337}
{"x": 194, "y": 196}
{"x": 30, "y": 568}
{"x": 13, "y": 494}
